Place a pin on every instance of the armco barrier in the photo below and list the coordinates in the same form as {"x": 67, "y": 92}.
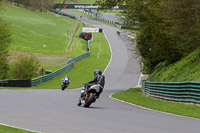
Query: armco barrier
{"x": 15, "y": 83}
{"x": 77, "y": 58}
{"x": 70, "y": 64}
{"x": 173, "y": 91}
{"x": 56, "y": 11}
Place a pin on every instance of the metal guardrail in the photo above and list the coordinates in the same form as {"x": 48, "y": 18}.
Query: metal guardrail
{"x": 51, "y": 75}
{"x": 173, "y": 91}
{"x": 56, "y": 11}
{"x": 77, "y": 58}
{"x": 70, "y": 64}
{"x": 15, "y": 83}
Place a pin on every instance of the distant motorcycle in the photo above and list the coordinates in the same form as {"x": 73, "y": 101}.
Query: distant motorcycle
{"x": 65, "y": 83}
{"x": 88, "y": 95}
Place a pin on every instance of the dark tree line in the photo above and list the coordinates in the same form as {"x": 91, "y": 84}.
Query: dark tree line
{"x": 36, "y": 4}
{"x": 169, "y": 29}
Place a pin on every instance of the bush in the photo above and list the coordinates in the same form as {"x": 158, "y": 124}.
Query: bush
{"x": 25, "y": 67}
{"x": 5, "y": 38}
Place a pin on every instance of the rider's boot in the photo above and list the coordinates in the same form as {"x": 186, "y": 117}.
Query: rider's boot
{"x": 79, "y": 103}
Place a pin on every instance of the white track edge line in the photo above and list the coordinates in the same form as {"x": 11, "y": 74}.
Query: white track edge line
{"x": 110, "y": 52}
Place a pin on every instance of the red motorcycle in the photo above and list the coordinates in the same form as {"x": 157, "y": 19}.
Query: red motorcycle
{"x": 88, "y": 95}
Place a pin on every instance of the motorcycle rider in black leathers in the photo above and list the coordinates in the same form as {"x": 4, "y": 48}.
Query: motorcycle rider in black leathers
{"x": 98, "y": 79}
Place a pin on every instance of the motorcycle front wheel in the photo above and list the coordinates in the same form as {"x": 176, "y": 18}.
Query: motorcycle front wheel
{"x": 63, "y": 87}
{"x": 89, "y": 100}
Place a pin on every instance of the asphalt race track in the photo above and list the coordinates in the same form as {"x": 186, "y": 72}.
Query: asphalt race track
{"x": 56, "y": 111}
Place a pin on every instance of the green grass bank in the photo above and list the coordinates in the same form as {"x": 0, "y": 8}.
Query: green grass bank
{"x": 38, "y": 32}
{"x": 187, "y": 69}
{"x": 43, "y": 34}
{"x": 135, "y": 96}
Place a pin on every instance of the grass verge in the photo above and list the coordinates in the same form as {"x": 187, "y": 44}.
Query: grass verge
{"x": 6, "y": 129}
{"x": 83, "y": 71}
{"x": 134, "y": 96}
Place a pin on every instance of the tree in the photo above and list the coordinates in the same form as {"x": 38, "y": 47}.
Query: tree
{"x": 36, "y": 4}
{"x": 168, "y": 29}
{"x": 182, "y": 16}
{"x": 5, "y": 39}
{"x": 25, "y": 67}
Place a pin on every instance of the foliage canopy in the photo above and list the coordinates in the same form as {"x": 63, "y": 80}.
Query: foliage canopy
{"x": 36, "y": 4}
{"x": 169, "y": 29}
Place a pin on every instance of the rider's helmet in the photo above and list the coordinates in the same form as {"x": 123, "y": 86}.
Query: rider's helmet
{"x": 97, "y": 72}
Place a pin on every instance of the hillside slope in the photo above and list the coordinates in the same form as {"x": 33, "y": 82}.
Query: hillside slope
{"x": 33, "y": 30}
{"x": 187, "y": 69}
{"x": 45, "y": 35}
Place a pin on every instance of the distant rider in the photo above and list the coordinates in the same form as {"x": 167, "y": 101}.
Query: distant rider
{"x": 65, "y": 82}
